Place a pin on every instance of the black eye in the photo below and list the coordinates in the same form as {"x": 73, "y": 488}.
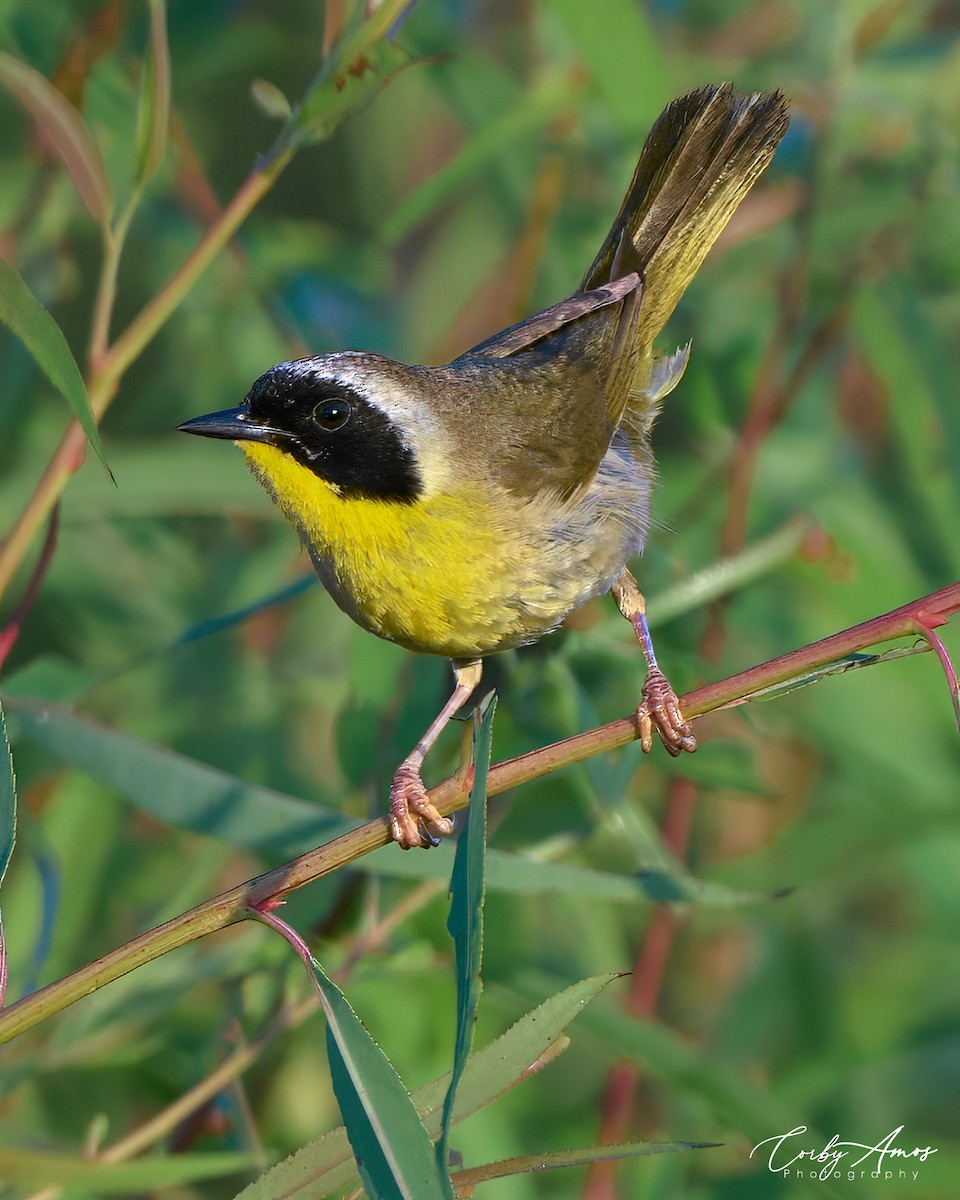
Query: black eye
{"x": 331, "y": 414}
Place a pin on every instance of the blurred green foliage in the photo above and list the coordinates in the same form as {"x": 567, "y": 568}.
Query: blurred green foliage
{"x": 476, "y": 189}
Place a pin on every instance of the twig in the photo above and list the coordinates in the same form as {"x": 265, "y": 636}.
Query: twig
{"x": 452, "y": 795}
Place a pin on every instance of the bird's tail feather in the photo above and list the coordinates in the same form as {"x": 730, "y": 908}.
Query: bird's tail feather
{"x": 701, "y": 158}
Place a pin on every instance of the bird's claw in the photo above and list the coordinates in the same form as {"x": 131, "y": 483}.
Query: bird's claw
{"x": 414, "y": 821}
{"x": 660, "y": 711}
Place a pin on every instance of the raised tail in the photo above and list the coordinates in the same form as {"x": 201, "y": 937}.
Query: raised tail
{"x": 701, "y": 158}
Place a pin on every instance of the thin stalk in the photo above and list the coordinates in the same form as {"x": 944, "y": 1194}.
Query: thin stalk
{"x": 453, "y": 794}
{"x": 113, "y": 244}
{"x": 108, "y": 369}
{"x": 154, "y": 315}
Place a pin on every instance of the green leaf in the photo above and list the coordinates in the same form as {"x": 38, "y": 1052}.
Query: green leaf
{"x": 393, "y": 1150}
{"x": 526, "y": 1163}
{"x": 465, "y": 922}
{"x": 850, "y": 662}
{"x": 729, "y": 575}
{"x": 41, "y": 1168}
{"x": 630, "y": 836}
{"x": 361, "y": 64}
{"x": 237, "y": 616}
{"x": 522, "y": 875}
{"x": 341, "y": 91}
{"x": 176, "y": 789}
{"x": 664, "y": 886}
{"x": 325, "y": 1166}
{"x": 8, "y": 832}
{"x": 48, "y": 677}
{"x": 64, "y": 130}
{"x": 42, "y": 336}
{"x": 153, "y": 116}
{"x": 8, "y": 801}
{"x": 270, "y": 100}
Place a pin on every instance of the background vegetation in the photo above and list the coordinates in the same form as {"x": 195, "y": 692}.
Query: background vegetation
{"x": 815, "y": 444}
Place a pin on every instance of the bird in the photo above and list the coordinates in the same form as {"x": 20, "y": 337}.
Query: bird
{"x": 466, "y": 509}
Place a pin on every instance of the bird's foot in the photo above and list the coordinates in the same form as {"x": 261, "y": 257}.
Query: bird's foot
{"x": 414, "y": 821}
{"x": 660, "y": 711}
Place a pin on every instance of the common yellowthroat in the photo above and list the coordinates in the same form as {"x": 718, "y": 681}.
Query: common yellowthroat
{"x": 465, "y": 509}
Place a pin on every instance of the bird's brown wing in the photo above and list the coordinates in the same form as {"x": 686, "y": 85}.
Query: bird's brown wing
{"x": 538, "y": 390}
{"x": 528, "y": 333}
{"x": 565, "y": 378}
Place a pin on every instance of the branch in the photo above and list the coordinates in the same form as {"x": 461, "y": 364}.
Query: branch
{"x": 913, "y": 619}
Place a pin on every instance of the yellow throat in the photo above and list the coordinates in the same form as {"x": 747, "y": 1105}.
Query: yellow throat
{"x": 396, "y": 566}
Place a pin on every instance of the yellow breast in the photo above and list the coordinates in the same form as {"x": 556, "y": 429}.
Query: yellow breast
{"x": 436, "y": 575}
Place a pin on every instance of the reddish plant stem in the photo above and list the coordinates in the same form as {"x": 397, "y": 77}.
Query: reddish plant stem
{"x": 649, "y": 971}
{"x": 652, "y": 957}
{"x": 453, "y": 794}
{"x": 768, "y": 406}
{"x": 9, "y": 635}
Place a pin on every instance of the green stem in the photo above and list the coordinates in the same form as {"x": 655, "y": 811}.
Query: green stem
{"x": 145, "y": 326}
{"x": 107, "y": 369}
{"x": 452, "y": 795}
{"x": 114, "y": 240}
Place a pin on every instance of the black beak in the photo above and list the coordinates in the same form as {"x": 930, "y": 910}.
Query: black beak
{"x": 233, "y": 424}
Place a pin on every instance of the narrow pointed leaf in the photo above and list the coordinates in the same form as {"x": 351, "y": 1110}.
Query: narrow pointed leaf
{"x": 8, "y": 832}
{"x": 325, "y": 1166}
{"x": 664, "y": 885}
{"x": 8, "y": 800}
{"x": 465, "y": 922}
{"x": 339, "y": 92}
{"x": 394, "y": 1153}
{"x": 360, "y": 65}
{"x": 153, "y": 118}
{"x": 41, "y": 1168}
{"x": 42, "y": 336}
{"x": 729, "y": 575}
{"x": 524, "y": 1164}
{"x": 64, "y": 131}
{"x": 175, "y": 788}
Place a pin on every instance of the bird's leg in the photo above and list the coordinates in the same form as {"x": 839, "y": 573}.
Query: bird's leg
{"x": 660, "y": 708}
{"x": 413, "y": 819}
